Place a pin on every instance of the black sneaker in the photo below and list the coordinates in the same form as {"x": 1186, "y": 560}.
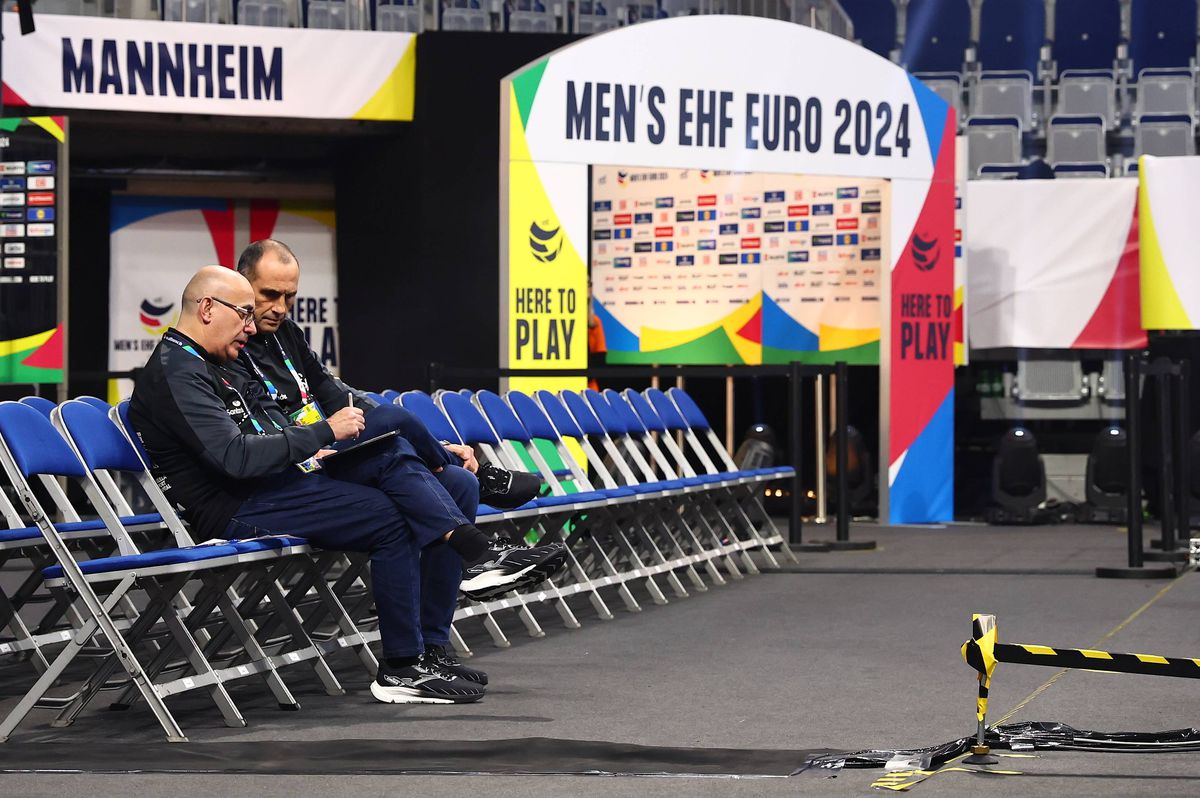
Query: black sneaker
{"x": 510, "y": 567}
{"x": 506, "y": 489}
{"x": 427, "y": 682}
{"x": 448, "y": 661}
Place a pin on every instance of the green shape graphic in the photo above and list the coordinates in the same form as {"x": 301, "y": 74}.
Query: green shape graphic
{"x": 864, "y": 355}
{"x": 713, "y": 348}
{"x": 526, "y": 86}
{"x": 10, "y": 124}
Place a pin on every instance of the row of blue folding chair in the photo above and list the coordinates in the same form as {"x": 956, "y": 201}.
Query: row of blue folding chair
{"x": 90, "y": 445}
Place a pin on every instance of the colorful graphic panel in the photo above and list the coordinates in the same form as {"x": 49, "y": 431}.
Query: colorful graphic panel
{"x": 32, "y": 230}
{"x": 1170, "y": 241}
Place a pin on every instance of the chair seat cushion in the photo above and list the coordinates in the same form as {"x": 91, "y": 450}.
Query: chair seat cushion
{"x": 24, "y": 533}
{"x": 148, "y": 560}
{"x": 96, "y": 523}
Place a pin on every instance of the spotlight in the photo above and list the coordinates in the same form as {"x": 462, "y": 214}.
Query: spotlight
{"x": 1018, "y": 479}
{"x": 1107, "y": 482}
{"x": 758, "y": 449}
{"x": 860, "y": 478}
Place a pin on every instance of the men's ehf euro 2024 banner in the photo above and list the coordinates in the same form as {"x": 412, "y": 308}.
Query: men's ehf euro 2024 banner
{"x": 159, "y": 242}
{"x": 193, "y": 68}
{"x": 744, "y": 94}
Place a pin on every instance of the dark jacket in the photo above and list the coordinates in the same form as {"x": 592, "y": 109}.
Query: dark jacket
{"x": 262, "y": 359}
{"x": 212, "y": 437}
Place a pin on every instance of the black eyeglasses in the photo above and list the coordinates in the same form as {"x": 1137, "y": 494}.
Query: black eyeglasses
{"x": 243, "y": 313}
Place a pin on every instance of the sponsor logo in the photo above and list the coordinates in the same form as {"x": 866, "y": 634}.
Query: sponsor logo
{"x": 708, "y": 215}
{"x": 825, "y": 209}
{"x": 155, "y": 315}
{"x": 12, "y": 167}
{"x": 545, "y": 240}
{"x": 664, "y": 202}
{"x": 643, "y": 246}
{"x": 706, "y": 200}
{"x": 601, "y": 235}
{"x": 847, "y": 193}
{"x": 822, "y": 241}
{"x": 15, "y": 248}
{"x": 751, "y": 257}
{"x": 601, "y": 205}
{"x": 707, "y": 243}
{"x": 664, "y": 246}
{"x": 751, "y": 213}
{"x": 12, "y": 231}
{"x": 14, "y": 183}
{"x": 798, "y": 256}
{"x": 774, "y": 227}
{"x": 728, "y": 257}
{"x": 775, "y": 196}
{"x": 797, "y": 210}
{"x": 664, "y": 232}
{"x": 40, "y": 167}
{"x": 798, "y": 226}
{"x": 40, "y": 198}
{"x": 39, "y": 230}
{"x": 643, "y": 218}
{"x": 622, "y": 233}
{"x": 685, "y": 216}
{"x": 622, "y": 218}
{"x": 12, "y": 199}
{"x": 14, "y": 263}
{"x": 622, "y": 178}
{"x": 729, "y": 229}
{"x": 847, "y": 224}
{"x": 39, "y": 214}
{"x": 870, "y": 253}
{"x": 12, "y": 216}
{"x": 871, "y": 207}
{"x": 751, "y": 243}
{"x": 622, "y": 263}
{"x": 685, "y": 260}
{"x": 847, "y": 239}
{"x": 925, "y": 253}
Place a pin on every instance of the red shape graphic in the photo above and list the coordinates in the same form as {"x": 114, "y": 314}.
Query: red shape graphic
{"x": 919, "y": 386}
{"x": 49, "y": 355}
{"x": 752, "y": 329}
{"x": 264, "y": 214}
{"x": 1117, "y": 322}
{"x": 10, "y": 97}
{"x": 220, "y": 227}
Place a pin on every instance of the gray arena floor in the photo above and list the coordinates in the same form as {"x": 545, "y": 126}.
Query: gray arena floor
{"x": 846, "y": 651}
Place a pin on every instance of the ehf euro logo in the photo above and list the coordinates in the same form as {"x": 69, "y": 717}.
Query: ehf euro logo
{"x": 622, "y": 178}
{"x": 545, "y": 240}
{"x": 155, "y": 316}
{"x": 925, "y": 254}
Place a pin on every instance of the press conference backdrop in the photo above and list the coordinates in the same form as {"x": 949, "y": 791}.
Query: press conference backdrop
{"x": 159, "y": 242}
{"x": 716, "y": 266}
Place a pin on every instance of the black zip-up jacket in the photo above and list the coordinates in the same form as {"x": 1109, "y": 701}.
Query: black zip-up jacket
{"x": 263, "y": 360}
{"x": 212, "y": 436}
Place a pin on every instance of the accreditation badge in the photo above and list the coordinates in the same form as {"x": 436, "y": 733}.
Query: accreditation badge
{"x": 309, "y": 414}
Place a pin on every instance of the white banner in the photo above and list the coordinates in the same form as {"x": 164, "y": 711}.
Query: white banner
{"x": 157, "y": 244}
{"x": 193, "y": 68}
{"x": 1170, "y": 243}
{"x": 1053, "y": 264}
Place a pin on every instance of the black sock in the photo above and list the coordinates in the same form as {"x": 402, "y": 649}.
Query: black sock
{"x": 471, "y": 544}
{"x": 401, "y": 662}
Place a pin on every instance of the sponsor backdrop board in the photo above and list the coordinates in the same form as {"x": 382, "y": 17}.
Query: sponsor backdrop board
{"x": 159, "y": 242}
{"x": 1045, "y": 276}
{"x": 194, "y": 68}
{"x": 750, "y": 95}
{"x": 33, "y": 169}
{"x": 1170, "y": 242}
{"x": 706, "y": 266}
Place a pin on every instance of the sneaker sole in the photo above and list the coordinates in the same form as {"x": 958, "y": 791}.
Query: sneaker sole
{"x": 401, "y": 695}
{"x": 489, "y": 585}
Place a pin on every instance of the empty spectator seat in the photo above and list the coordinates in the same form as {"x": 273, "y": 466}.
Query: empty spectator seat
{"x": 1162, "y": 34}
{"x": 404, "y": 15}
{"x": 1075, "y": 139}
{"x": 267, "y": 13}
{"x": 1089, "y": 169}
{"x": 671, "y": 8}
{"x": 874, "y": 24}
{"x": 1165, "y": 91}
{"x": 531, "y": 16}
{"x": 337, "y": 15}
{"x": 594, "y": 17}
{"x": 1011, "y": 35}
{"x": 946, "y": 85}
{"x": 1004, "y": 94}
{"x": 937, "y": 33}
{"x": 173, "y": 10}
{"x": 1086, "y": 33}
{"x": 1000, "y": 171}
{"x": 465, "y": 15}
{"x": 993, "y": 140}
{"x": 1164, "y": 134}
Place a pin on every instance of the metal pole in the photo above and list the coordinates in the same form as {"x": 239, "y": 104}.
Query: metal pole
{"x": 819, "y": 417}
{"x": 1183, "y": 469}
{"x": 843, "y": 455}
{"x": 797, "y": 451}
{"x": 729, "y": 433}
{"x": 1137, "y": 568}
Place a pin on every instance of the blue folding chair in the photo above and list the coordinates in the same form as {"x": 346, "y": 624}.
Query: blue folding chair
{"x": 39, "y": 403}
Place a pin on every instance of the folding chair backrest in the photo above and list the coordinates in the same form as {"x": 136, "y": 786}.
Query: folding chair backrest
{"x": 640, "y": 431}
{"x": 568, "y": 427}
{"x": 39, "y": 403}
{"x": 514, "y": 438}
{"x": 698, "y": 426}
{"x": 577, "y": 410}
{"x": 474, "y": 428}
{"x": 99, "y": 444}
{"x": 120, "y": 416}
{"x": 422, "y": 406}
{"x": 591, "y": 424}
{"x": 653, "y": 421}
{"x": 614, "y": 423}
{"x": 99, "y": 404}
{"x": 620, "y": 428}
{"x": 666, "y": 409}
{"x": 390, "y": 395}
{"x": 541, "y": 428}
{"x": 36, "y": 447}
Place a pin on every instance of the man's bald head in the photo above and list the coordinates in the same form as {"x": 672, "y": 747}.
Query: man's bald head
{"x": 217, "y": 311}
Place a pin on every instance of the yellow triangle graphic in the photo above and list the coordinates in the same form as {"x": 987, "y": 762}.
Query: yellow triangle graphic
{"x": 24, "y": 344}
{"x": 393, "y": 102}
{"x": 48, "y": 124}
{"x": 846, "y": 338}
{"x": 1161, "y": 308}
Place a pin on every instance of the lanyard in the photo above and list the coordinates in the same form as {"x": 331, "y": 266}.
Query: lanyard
{"x": 192, "y": 351}
{"x": 272, "y": 391}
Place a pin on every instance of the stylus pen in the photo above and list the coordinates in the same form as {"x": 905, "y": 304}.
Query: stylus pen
{"x": 351, "y": 396}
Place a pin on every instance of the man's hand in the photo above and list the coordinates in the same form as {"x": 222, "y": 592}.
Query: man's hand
{"x": 347, "y": 423}
{"x": 324, "y": 453}
{"x": 464, "y": 453}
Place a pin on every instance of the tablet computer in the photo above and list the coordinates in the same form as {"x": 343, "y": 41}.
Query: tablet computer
{"x": 353, "y": 453}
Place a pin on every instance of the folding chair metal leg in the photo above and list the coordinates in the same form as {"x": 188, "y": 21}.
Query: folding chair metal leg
{"x": 352, "y": 636}
{"x": 690, "y": 570}
{"x": 564, "y": 610}
{"x": 726, "y": 558}
{"x": 531, "y": 624}
{"x": 667, "y": 517}
{"x": 21, "y": 635}
{"x": 597, "y": 601}
{"x": 275, "y": 684}
{"x": 300, "y": 638}
{"x": 751, "y": 527}
{"x": 498, "y": 638}
{"x": 631, "y": 603}
{"x": 672, "y": 577}
{"x": 459, "y": 644}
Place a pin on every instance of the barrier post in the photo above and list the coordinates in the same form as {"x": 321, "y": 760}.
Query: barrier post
{"x": 1183, "y": 469}
{"x": 1137, "y": 568}
{"x": 1169, "y": 429}
{"x": 843, "y": 541}
{"x": 795, "y": 528}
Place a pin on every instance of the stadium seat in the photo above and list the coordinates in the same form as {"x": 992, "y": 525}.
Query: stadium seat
{"x": 39, "y": 403}
{"x": 268, "y": 13}
{"x": 993, "y": 140}
{"x": 937, "y": 34}
{"x": 405, "y": 15}
{"x": 1004, "y": 94}
{"x": 531, "y": 16}
{"x": 1083, "y": 92}
{"x": 1164, "y": 134}
{"x": 1011, "y": 35}
{"x": 465, "y": 15}
{"x": 874, "y": 24}
{"x": 1165, "y": 91}
{"x": 1075, "y": 139}
{"x": 948, "y": 86}
{"x": 185, "y": 10}
{"x": 593, "y": 17}
{"x": 1071, "y": 170}
{"x": 337, "y": 14}
{"x": 673, "y": 8}
{"x": 999, "y": 171}
{"x": 1162, "y": 35}
{"x": 1086, "y": 34}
